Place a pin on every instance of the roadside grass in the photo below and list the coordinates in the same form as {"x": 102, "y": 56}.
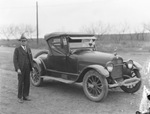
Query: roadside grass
{"x": 31, "y": 42}
{"x": 104, "y": 45}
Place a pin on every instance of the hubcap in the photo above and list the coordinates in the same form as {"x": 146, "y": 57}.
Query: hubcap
{"x": 94, "y": 86}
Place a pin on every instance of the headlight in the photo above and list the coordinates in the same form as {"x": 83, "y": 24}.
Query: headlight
{"x": 109, "y": 67}
{"x": 130, "y": 64}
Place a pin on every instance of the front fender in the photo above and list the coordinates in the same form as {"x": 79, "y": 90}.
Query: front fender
{"x": 99, "y": 69}
{"x": 137, "y": 65}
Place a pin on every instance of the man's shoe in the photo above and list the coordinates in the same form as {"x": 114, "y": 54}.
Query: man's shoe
{"x": 20, "y": 100}
{"x": 26, "y": 99}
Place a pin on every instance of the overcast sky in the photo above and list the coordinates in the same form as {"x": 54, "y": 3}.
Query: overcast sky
{"x": 72, "y": 15}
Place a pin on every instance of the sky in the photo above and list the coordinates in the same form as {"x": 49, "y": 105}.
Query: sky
{"x": 73, "y": 15}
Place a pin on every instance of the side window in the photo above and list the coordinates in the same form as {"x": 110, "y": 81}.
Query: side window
{"x": 58, "y": 45}
{"x": 65, "y": 45}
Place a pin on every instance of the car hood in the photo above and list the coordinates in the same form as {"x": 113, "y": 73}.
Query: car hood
{"x": 94, "y": 57}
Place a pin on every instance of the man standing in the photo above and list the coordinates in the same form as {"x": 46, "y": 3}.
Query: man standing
{"x": 23, "y": 64}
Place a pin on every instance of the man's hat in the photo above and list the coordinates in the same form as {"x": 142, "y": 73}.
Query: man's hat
{"x": 22, "y": 38}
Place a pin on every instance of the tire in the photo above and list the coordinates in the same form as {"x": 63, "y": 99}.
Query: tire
{"x": 35, "y": 78}
{"x": 95, "y": 86}
{"x": 136, "y": 87}
{"x": 41, "y": 53}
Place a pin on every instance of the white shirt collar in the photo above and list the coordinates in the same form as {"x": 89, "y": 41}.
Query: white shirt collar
{"x": 23, "y": 47}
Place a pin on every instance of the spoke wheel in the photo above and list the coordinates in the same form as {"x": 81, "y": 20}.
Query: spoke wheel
{"x": 35, "y": 76}
{"x": 133, "y": 89}
{"x": 95, "y": 86}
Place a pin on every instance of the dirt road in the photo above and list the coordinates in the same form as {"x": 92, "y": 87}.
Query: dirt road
{"x": 59, "y": 98}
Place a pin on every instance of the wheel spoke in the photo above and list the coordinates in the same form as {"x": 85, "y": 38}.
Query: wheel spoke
{"x": 94, "y": 86}
{"x": 92, "y": 78}
{"x": 35, "y": 75}
{"x": 97, "y": 80}
{"x": 99, "y": 90}
{"x": 96, "y": 91}
{"x": 99, "y": 84}
{"x": 90, "y": 90}
{"x": 89, "y": 80}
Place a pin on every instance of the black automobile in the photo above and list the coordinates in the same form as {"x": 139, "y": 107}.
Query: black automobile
{"x": 72, "y": 58}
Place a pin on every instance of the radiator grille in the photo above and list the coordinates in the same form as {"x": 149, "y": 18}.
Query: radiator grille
{"x": 118, "y": 66}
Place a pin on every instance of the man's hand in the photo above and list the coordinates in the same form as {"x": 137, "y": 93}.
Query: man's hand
{"x": 19, "y": 71}
{"x": 32, "y": 68}
{"x": 32, "y": 71}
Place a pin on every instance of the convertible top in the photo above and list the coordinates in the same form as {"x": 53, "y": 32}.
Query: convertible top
{"x": 58, "y": 34}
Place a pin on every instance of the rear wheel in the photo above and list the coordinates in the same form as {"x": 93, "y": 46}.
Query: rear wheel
{"x": 36, "y": 80}
{"x": 95, "y": 86}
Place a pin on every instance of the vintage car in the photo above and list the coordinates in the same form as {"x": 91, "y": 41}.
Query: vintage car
{"x": 72, "y": 58}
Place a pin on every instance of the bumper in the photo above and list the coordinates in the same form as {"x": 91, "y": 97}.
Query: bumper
{"x": 128, "y": 83}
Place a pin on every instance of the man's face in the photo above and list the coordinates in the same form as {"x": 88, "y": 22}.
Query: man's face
{"x": 23, "y": 42}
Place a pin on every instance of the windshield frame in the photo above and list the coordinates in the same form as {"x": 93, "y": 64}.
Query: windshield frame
{"x": 83, "y": 42}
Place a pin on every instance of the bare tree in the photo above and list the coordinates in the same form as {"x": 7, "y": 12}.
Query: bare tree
{"x": 140, "y": 33}
{"x": 121, "y": 30}
{"x": 89, "y": 29}
{"x": 7, "y": 31}
{"x": 15, "y": 31}
{"x": 27, "y": 29}
{"x": 146, "y": 27}
{"x": 143, "y": 34}
{"x": 99, "y": 28}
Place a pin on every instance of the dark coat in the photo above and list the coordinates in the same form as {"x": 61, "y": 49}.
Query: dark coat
{"x": 19, "y": 57}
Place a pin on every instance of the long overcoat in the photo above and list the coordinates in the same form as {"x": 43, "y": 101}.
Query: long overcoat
{"x": 19, "y": 57}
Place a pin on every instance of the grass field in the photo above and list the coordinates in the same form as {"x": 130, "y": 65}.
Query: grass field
{"x": 107, "y": 43}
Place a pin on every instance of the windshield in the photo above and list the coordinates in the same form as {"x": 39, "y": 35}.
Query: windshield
{"x": 81, "y": 42}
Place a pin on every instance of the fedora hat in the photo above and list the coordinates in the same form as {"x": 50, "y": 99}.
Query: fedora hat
{"x": 22, "y": 38}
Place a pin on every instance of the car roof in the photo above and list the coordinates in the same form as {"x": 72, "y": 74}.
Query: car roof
{"x": 58, "y": 34}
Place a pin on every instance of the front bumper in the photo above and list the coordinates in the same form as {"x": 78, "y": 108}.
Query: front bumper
{"x": 129, "y": 83}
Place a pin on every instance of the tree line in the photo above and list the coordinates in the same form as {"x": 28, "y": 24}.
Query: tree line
{"x": 15, "y": 31}
{"x": 101, "y": 29}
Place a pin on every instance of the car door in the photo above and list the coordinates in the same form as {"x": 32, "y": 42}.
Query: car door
{"x": 72, "y": 66}
{"x": 57, "y": 58}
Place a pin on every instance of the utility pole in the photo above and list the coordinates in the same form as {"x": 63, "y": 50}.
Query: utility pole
{"x": 37, "y": 26}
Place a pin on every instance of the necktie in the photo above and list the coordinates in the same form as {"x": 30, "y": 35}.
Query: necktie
{"x": 25, "y": 48}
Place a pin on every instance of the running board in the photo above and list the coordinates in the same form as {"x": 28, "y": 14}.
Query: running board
{"x": 59, "y": 79}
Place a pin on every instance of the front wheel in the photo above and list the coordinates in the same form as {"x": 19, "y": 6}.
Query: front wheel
{"x": 36, "y": 80}
{"x": 133, "y": 89}
{"x": 95, "y": 86}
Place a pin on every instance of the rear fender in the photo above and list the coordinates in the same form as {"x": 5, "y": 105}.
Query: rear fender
{"x": 40, "y": 64}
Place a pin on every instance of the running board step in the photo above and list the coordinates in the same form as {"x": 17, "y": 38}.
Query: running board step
{"x": 59, "y": 79}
